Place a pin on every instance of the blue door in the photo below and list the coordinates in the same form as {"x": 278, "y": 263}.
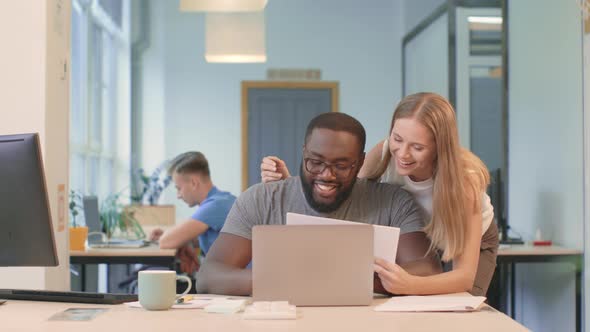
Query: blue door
{"x": 276, "y": 121}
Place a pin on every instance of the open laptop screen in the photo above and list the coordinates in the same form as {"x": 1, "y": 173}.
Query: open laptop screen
{"x": 92, "y": 217}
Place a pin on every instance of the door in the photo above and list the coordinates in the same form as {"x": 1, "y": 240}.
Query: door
{"x": 274, "y": 118}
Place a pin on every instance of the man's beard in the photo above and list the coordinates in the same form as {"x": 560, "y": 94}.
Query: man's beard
{"x": 322, "y": 207}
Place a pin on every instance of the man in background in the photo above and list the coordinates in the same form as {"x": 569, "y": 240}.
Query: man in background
{"x": 192, "y": 179}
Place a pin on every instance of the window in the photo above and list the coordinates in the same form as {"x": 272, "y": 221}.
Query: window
{"x": 99, "y": 49}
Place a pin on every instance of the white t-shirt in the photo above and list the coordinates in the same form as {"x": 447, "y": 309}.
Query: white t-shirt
{"x": 422, "y": 191}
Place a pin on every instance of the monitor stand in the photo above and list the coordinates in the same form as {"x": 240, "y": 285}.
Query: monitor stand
{"x": 505, "y": 239}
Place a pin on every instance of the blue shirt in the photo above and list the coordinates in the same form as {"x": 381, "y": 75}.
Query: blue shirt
{"x": 213, "y": 211}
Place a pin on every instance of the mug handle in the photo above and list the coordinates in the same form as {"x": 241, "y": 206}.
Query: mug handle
{"x": 190, "y": 284}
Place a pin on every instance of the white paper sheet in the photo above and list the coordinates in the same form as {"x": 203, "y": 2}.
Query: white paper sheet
{"x": 385, "y": 238}
{"x": 451, "y": 302}
{"x": 226, "y": 306}
{"x": 196, "y": 303}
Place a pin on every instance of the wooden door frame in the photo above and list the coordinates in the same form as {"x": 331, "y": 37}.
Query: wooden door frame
{"x": 332, "y": 86}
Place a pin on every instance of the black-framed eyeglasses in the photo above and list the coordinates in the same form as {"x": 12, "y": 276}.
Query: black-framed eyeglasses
{"x": 340, "y": 170}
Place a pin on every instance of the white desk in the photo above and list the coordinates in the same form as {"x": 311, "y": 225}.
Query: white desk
{"x": 532, "y": 251}
{"x": 149, "y": 254}
{"x": 510, "y": 256}
{"x": 32, "y": 316}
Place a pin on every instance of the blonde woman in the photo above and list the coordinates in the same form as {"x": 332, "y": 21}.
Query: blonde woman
{"x": 423, "y": 155}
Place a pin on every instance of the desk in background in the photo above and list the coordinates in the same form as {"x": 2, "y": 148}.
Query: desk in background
{"x": 151, "y": 254}
{"x": 32, "y": 316}
{"x": 509, "y": 256}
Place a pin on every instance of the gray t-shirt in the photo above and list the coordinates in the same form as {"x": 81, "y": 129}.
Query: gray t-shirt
{"x": 370, "y": 202}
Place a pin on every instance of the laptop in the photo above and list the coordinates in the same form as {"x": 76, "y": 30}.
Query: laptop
{"x": 313, "y": 265}
{"x": 96, "y": 238}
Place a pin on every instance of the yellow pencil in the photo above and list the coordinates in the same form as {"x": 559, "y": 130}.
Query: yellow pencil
{"x": 184, "y": 299}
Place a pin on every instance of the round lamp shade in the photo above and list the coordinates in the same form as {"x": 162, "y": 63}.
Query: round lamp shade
{"x": 222, "y": 5}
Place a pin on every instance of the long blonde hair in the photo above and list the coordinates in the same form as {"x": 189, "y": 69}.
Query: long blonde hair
{"x": 459, "y": 176}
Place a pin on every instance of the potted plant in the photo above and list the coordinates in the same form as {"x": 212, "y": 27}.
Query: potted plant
{"x": 116, "y": 222}
{"x": 78, "y": 234}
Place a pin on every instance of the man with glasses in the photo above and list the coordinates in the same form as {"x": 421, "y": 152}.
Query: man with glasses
{"x": 333, "y": 153}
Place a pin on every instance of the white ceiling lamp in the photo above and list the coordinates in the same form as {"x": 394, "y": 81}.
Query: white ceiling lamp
{"x": 485, "y": 23}
{"x": 485, "y": 19}
{"x": 235, "y": 37}
{"x": 222, "y": 5}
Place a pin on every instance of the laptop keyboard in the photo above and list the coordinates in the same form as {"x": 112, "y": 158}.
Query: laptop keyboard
{"x": 130, "y": 244}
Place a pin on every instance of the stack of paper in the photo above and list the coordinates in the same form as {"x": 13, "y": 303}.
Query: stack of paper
{"x": 385, "y": 238}
{"x": 226, "y": 306}
{"x": 450, "y": 302}
{"x": 270, "y": 310}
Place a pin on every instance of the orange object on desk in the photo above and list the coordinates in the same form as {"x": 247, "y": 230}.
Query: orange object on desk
{"x": 542, "y": 243}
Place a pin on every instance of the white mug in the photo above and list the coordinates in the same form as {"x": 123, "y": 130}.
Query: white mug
{"x": 157, "y": 289}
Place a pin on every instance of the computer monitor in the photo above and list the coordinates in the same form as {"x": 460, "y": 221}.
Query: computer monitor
{"x": 26, "y": 231}
{"x": 496, "y": 192}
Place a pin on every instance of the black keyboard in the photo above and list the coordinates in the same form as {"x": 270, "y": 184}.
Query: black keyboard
{"x": 57, "y": 296}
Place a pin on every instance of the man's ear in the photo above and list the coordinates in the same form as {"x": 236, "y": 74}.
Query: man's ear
{"x": 195, "y": 179}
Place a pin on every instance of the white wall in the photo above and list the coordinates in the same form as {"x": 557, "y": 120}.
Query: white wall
{"x": 352, "y": 43}
{"x": 545, "y": 151}
{"x": 34, "y": 98}
{"x": 545, "y": 120}
{"x": 416, "y": 11}
{"x": 427, "y": 60}
{"x": 151, "y": 80}
{"x": 123, "y": 105}
{"x": 586, "y": 92}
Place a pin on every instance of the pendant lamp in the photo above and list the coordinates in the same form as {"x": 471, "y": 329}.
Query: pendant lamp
{"x": 235, "y": 37}
{"x": 222, "y": 5}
